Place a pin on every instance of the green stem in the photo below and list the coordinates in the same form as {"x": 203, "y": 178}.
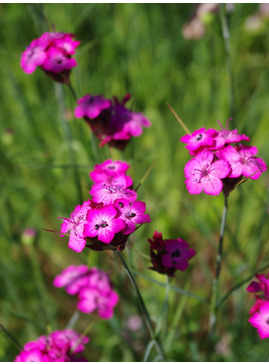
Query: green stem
{"x": 11, "y": 337}
{"x": 215, "y": 288}
{"x": 143, "y": 308}
{"x": 228, "y": 59}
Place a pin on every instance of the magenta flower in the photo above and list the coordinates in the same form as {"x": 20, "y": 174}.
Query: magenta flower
{"x": 52, "y": 52}
{"x": 203, "y": 174}
{"x": 262, "y": 285}
{"x": 170, "y": 254}
{"x": 75, "y": 224}
{"x": 93, "y": 287}
{"x": 199, "y": 139}
{"x": 131, "y": 214}
{"x": 33, "y": 56}
{"x": 91, "y": 106}
{"x": 242, "y": 161}
{"x": 103, "y": 223}
{"x": 226, "y": 136}
{"x": 59, "y": 346}
{"x": 178, "y": 254}
{"x": 72, "y": 278}
{"x": 112, "y": 168}
{"x": 108, "y": 194}
{"x": 260, "y": 320}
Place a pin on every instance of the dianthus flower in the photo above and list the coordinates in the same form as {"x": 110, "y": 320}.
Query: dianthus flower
{"x": 92, "y": 287}
{"x": 111, "y": 172}
{"x": 59, "y": 346}
{"x": 217, "y": 165}
{"x": 113, "y": 124}
{"x": 262, "y": 285}
{"x": 170, "y": 255}
{"x": 203, "y": 174}
{"x": 53, "y": 53}
{"x": 110, "y": 216}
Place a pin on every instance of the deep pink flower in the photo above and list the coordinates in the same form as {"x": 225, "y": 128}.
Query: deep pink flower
{"x": 203, "y": 174}
{"x": 59, "y": 346}
{"x": 108, "y": 193}
{"x": 242, "y": 161}
{"x": 170, "y": 255}
{"x": 131, "y": 214}
{"x": 226, "y": 136}
{"x": 102, "y": 223}
{"x": 262, "y": 285}
{"x": 75, "y": 224}
{"x": 178, "y": 254}
{"x": 112, "y": 168}
{"x": 33, "y": 56}
{"x": 57, "y": 61}
{"x": 72, "y": 278}
{"x": 260, "y": 320}
{"x": 199, "y": 139}
{"x": 91, "y": 106}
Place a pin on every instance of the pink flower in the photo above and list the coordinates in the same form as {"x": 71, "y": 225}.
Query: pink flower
{"x": 226, "y": 136}
{"x": 108, "y": 193}
{"x": 60, "y": 346}
{"x": 263, "y": 286}
{"x": 131, "y": 214}
{"x": 103, "y": 223}
{"x": 91, "y": 106}
{"x": 199, "y": 139}
{"x": 242, "y": 161}
{"x": 72, "y": 278}
{"x": 75, "y": 224}
{"x": 178, "y": 254}
{"x": 57, "y": 61}
{"x": 260, "y": 320}
{"x": 93, "y": 287}
{"x": 33, "y": 56}
{"x": 203, "y": 174}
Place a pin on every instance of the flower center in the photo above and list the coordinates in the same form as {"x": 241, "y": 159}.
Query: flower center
{"x": 199, "y": 137}
{"x": 129, "y": 215}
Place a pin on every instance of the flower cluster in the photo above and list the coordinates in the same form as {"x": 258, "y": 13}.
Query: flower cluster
{"x": 171, "y": 254}
{"x": 217, "y": 164}
{"x": 92, "y": 287}
{"x": 111, "y": 215}
{"x": 260, "y": 310}
{"x": 59, "y": 346}
{"x": 110, "y": 120}
{"x": 53, "y": 53}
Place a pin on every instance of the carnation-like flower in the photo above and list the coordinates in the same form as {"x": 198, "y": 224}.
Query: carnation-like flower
{"x": 199, "y": 139}
{"x": 131, "y": 214}
{"x": 93, "y": 288}
{"x": 260, "y": 319}
{"x": 242, "y": 161}
{"x": 53, "y": 53}
{"x": 262, "y": 285}
{"x": 170, "y": 254}
{"x": 91, "y": 106}
{"x": 203, "y": 174}
{"x": 59, "y": 346}
{"x": 103, "y": 223}
{"x": 109, "y": 193}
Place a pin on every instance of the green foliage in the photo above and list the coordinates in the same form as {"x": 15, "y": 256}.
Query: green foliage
{"x": 46, "y": 155}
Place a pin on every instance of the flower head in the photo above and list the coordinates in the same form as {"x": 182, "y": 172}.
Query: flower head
{"x": 109, "y": 193}
{"x": 170, "y": 255}
{"x": 203, "y": 174}
{"x": 91, "y": 106}
{"x": 260, "y": 319}
{"x": 199, "y": 139}
{"x": 93, "y": 288}
{"x": 61, "y": 346}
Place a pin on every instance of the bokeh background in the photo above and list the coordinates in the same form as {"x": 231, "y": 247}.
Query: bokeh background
{"x": 160, "y": 53}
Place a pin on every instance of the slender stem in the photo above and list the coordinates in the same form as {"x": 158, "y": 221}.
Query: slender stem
{"x": 143, "y": 308}
{"x": 12, "y": 338}
{"x": 215, "y": 288}
{"x": 226, "y": 39}
{"x": 71, "y": 88}
{"x": 73, "y": 320}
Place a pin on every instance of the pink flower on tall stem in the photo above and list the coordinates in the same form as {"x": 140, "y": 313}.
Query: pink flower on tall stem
{"x": 203, "y": 174}
{"x": 91, "y": 106}
{"x": 199, "y": 139}
{"x": 109, "y": 193}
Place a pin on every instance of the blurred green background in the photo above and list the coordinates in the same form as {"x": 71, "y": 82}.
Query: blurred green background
{"x": 160, "y": 54}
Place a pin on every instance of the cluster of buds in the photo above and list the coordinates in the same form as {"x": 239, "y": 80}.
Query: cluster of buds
{"x": 53, "y": 53}
{"x": 92, "y": 287}
{"x": 110, "y": 120}
{"x": 169, "y": 255}
{"x": 61, "y": 346}
{"x": 217, "y": 164}
{"x": 260, "y": 310}
{"x": 110, "y": 216}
